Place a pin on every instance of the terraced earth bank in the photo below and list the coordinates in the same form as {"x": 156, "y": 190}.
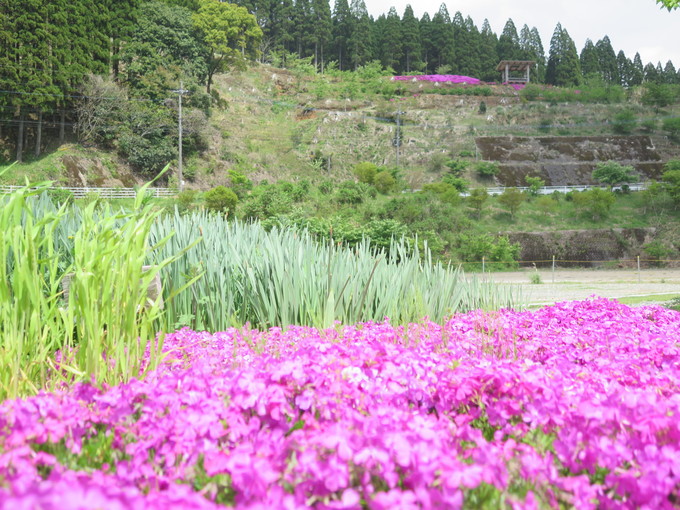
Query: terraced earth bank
{"x": 570, "y": 160}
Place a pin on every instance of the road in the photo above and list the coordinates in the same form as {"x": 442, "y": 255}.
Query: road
{"x": 578, "y": 284}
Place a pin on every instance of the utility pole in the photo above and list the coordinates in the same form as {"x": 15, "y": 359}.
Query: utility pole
{"x": 180, "y": 177}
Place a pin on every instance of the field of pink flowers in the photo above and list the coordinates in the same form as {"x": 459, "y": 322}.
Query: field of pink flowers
{"x": 574, "y": 405}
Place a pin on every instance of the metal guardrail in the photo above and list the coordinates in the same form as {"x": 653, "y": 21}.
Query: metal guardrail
{"x": 549, "y": 190}
{"x": 82, "y": 192}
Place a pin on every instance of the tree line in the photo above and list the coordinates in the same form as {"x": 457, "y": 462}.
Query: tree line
{"x": 50, "y": 50}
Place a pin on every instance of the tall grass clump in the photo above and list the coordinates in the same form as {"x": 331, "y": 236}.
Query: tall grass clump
{"x": 282, "y": 277}
{"x": 102, "y": 331}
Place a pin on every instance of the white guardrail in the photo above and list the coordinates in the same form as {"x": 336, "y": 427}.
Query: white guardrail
{"x": 82, "y": 192}
{"x": 548, "y": 190}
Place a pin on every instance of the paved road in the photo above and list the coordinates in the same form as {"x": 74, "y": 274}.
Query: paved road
{"x": 580, "y": 284}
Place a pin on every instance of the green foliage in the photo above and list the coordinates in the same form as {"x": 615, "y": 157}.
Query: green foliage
{"x": 659, "y": 95}
{"x": 669, "y": 4}
{"x": 458, "y": 183}
{"x": 365, "y": 172}
{"x": 384, "y": 182}
{"x": 672, "y": 127}
{"x": 624, "y": 122}
{"x": 230, "y": 33}
{"x": 613, "y": 173}
{"x": 60, "y": 196}
{"x": 239, "y": 183}
{"x": 671, "y": 180}
{"x": 326, "y": 187}
{"x": 186, "y": 200}
{"x": 497, "y": 252}
{"x": 535, "y": 184}
{"x": 512, "y": 198}
{"x": 595, "y": 203}
{"x": 268, "y": 202}
{"x": 657, "y": 251}
{"x": 456, "y": 166}
{"x": 221, "y": 199}
{"x": 487, "y": 169}
{"x": 477, "y": 199}
{"x": 354, "y": 193}
{"x": 482, "y": 108}
{"x": 148, "y": 156}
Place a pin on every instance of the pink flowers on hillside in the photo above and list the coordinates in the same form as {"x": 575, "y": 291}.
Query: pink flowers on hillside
{"x": 573, "y": 405}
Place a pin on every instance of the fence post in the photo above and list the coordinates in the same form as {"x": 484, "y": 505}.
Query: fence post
{"x": 638, "y": 261}
{"x": 553, "y": 269}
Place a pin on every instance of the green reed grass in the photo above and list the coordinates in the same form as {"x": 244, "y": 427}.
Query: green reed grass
{"x": 284, "y": 277}
{"x": 104, "y": 328}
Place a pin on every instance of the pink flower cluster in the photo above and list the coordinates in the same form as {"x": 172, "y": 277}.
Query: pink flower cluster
{"x": 446, "y": 78}
{"x": 574, "y": 405}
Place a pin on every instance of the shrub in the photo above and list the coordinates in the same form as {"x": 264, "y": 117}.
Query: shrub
{"x": 365, "y": 172}
{"x": 456, "y": 167}
{"x": 221, "y": 199}
{"x": 457, "y": 182}
{"x": 672, "y": 127}
{"x": 186, "y": 200}
{"x": 624, "y": 122}
{"x": 384, "y": 182}
{"x": 535, "y": 184}
{"x": 487, "y": 169}
{"x": 352, "y": 193}
{"x": 239, "y": 183}
{"x": 498, "y": 252}
{"x": 437, "y": 162}
{"x": 613, "y": 173}
{"x": 60, "y": 196}
{"x": 657, "y": 252}
{"x": 482, "y": 108}
{"x": 326, "y": 187}
{"x": 595, "y": 203}
{"x": 512, "y": 198}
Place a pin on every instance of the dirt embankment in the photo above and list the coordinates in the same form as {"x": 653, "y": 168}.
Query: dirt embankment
{"x": 568, "y": 160}
{"x": 582, "y": 248}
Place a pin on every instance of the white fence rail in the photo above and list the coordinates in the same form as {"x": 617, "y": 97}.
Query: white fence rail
{"x": 82, "y": 192}
{"x": 548, "y": 190}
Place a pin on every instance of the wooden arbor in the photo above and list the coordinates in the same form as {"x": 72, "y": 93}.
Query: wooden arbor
{"x": 511, "y": 68}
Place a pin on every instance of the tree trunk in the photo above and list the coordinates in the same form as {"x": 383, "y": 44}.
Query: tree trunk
{"x": 62, "y": 127}
{"x": 38, "y": 134}
{"x": 20, "y": 136}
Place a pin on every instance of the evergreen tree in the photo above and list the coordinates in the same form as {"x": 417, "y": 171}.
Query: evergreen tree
{"x": 508, "y": 43}
{"x": 442, "y": 39}
{"x": 410, "y": 38}
{"x": 488, "y": 57}
{"x": 563, "y": 69}
{"x": 322, "y": 33}
{"x": 608, "y": 68}
{"x": 669, "y": 73}
{"x": 427, "y": 48}
{"x": 466, "y": 37}
{"x": 625, "y": 67}
{"x": 342, "y": 31}
{"x": 121, "y": 17}
{"x": 638, "y": 71}
{"x": 360, "y": 40}
{"x": 590, "y": 60}
{"x": 532, "y": 49}
{"x": 390, "y": 46}
{"x": 651, "y": 75}
{"x": 303, "y": 27}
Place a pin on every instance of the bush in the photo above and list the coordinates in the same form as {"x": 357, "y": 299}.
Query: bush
{"x": 456, "y": 167}
{"x": 384, "y": 182}
{"x": 221, "y": 199}
{"x": 624, "y": 122}
{"x": 613, "y": 173}
{"x": 326, "y": 187}
{"x": 487, "y": 169}
{"x": 365, "y": 172}
{"x": 595, "y": 203}
{"x": 354, "y": 193}
{"x": 672, "y": 127}
{"x": 498, "y": 252}
{"x": 512, "y": 198}
{"x": 186, "y": 200}
{"x": 535, "y": 184}
{"x": 60, "y": 196}
{"x": 148, "y": 157}
{"x": 657, "y": 252}
{"x": 239, "y": 183}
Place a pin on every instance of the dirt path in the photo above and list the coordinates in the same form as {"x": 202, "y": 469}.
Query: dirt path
{"x": 582, "y": 283}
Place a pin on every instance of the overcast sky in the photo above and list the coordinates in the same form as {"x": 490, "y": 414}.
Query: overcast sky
{"x": 632, "y": 25}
